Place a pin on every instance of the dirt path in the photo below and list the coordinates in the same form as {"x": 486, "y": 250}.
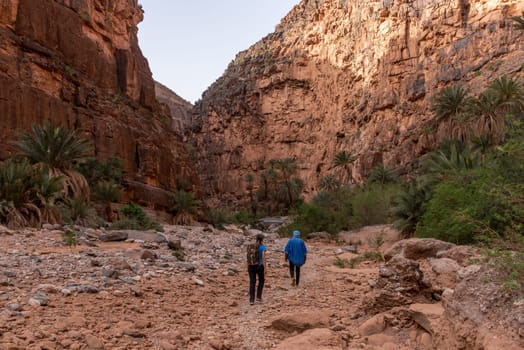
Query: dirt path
{"x": 160, "y": 304}
{"x": 323, "y": 286}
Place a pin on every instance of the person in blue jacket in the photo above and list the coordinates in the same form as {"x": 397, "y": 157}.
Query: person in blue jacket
{"x": 296, "y": 253}
{"x": 257, "y": 270}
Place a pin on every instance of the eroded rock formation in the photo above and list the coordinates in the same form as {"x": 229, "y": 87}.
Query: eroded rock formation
{"x": 78, "y": 64}
{"x": 348, "y": 75}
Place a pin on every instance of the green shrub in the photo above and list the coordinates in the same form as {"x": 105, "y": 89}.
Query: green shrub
{"x": 510, "y": 266}
{"x": 69, "y": 238}
{"x": 474, "y": 206}
{"x": 372, "y": 204}
{"x": 133, "y": 217}
{"x": 367, "y": 256}
{"x": 329, "y": 211}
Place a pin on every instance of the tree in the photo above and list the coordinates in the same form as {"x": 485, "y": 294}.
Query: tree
{"x": 508, "y": 94}
{"x": 250, "y": 179}
{"x": 18, "y": 199}
{"x": 47, "y": 189}
{"x": 382, "y": 175}
{"x": 408, "y": 207}
{"x": 58, "y": 150}
{"x": 450, "y": 108}
{"x": 107, "y": 192}
{"x": 184, "y": 207}
{"x": 488, "y": 119}
{"x": 286, "y": 168}
{"x": 519, "y": 21}
{"x": 344, "y": 160}
{"x": 329, "y": 183}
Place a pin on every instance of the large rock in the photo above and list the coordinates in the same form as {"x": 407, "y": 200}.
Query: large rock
{"x": 400, "y": 282}
{"x": 374, "y": 325}
{"x": 417, "y": 248}
{"x": 301, "y": 321}
{"x": 113, "y": 236}
{"x": 313, "y": 339}
{"x": 427, "y": 316}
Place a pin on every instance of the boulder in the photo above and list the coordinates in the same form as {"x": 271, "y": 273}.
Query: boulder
{"x": 374, "y": 325}
{"x": 427, "y": 316}
{"x": 113, "y": 236}
{"x": 301, "y": 321}
{"x": 313, "y": 339}
{"x": 417, "y": 248}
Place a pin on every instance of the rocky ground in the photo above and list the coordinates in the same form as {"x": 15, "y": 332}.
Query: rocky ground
{"x": 187, "y": 288}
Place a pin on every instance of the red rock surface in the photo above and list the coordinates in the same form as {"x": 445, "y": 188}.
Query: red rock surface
{"x": 349, "y": 75}
{"x": 179, "y": 108}
{"x": 78, "y": 64}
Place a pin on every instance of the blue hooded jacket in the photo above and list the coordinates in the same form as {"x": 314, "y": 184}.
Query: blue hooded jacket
{"x": 296, "y": 249}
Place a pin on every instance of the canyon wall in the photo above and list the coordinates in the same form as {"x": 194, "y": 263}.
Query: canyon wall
{"x": 179, "y": 108}
{"x": 348, "y": 75}
{"x": 77, "y": 63}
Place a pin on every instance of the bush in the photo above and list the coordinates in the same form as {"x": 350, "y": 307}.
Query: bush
{"x": 474, "y": 206}
{"x": 329, "y": 211}
{"x": 133, "y": 217}
{"x": 372, "y": 204}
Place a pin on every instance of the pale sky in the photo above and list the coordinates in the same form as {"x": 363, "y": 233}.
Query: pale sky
{"x": 189, "y": 43}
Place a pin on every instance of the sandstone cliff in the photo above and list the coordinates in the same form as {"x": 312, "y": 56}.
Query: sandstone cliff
{"x": 179, "y": 108}
{"x": 348, "y": 75}
{"x": 77, "y": 63}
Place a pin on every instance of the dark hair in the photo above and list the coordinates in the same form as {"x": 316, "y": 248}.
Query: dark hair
{"x": 259, "y": 238}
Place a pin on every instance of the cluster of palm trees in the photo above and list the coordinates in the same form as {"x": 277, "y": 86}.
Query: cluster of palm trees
{"x": 280, "y": 187}
{"x": 462, "y": 117}
{"x": 471, "y": 128}
{"x": 42, "y": 176}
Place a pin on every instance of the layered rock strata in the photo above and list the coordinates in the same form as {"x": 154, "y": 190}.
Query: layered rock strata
{"x": 348, "y": 75}
{"x": 78, "y": 64}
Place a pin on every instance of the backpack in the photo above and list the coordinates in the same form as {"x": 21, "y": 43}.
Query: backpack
{"x": 252, "y": 254}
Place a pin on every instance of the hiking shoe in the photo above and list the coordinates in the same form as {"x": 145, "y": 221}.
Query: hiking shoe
{"x": 251, "y": 302}
{"x": 259, "y": 300}
{"x": 293, "y": 282}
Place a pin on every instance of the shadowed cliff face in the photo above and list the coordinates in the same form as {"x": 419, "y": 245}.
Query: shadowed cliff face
{"x": 348, "y": 75}
{"x": 78, "y": 64}
{"x": 179, "y": 108}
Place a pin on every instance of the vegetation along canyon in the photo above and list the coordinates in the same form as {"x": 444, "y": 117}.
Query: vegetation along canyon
{"x": 389, "y": 133}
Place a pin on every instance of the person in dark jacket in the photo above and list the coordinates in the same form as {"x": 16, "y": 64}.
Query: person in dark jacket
{"x": 257, "y": 271}
{"x": 296, "y": 253}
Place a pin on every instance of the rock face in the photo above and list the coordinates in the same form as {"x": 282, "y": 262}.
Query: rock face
{"x": 179, "y": 108}
{"x": 86, "y": 71}
{"x": 348, "y": 75}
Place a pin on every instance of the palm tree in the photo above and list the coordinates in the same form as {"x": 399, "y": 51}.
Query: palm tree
{"x": 440, "y": 163}
{"x": 488, "y": 119}
{"x": 185, "y": 207}
{"x": 250, "y": 179}
{"x": 382, "y": 175}
{"x": 286, "y": 168}
{"x": 108, "y": 192}
{"x": 519, "y": 21}
{"x": 482, "y": 144}
{"x": 450, "y": 108}
{"x": 47, "y": 189}
{"x": 344, "y": 160}
{"x": 58, "y": 150}
{"x": 408, "y": 207}
{"x": 508, "y": 94}
{"x": 329, "y": 183}
{"x": 17, "y": 194}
